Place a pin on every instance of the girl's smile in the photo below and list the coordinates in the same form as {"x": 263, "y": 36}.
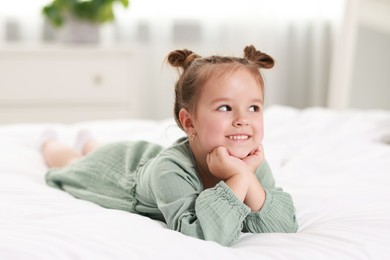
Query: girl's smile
{"x": 238, "y": 137}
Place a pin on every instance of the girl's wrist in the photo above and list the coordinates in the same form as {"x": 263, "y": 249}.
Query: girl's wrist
{"x": 239, "y": 183}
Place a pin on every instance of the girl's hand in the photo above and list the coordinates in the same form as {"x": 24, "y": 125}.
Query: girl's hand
{"x": 255, "y": 158}
{"x": 223, "y": 166}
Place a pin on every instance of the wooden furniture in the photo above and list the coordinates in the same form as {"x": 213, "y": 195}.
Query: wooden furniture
{"x": 66, "y": 84}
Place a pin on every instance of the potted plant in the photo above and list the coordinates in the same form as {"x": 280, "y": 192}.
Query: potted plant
{"x": 79, "y": 19}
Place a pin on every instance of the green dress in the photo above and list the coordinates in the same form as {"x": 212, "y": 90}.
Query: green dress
{"x": 163, "y": 184}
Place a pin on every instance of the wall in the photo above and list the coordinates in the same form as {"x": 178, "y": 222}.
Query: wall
{"x": 298, "y": 34}
{"x": 371, "y": 73}
{"x": 360, "y": 75}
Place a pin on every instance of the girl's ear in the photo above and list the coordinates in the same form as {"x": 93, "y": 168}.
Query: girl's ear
{"x": 186, "y": 121}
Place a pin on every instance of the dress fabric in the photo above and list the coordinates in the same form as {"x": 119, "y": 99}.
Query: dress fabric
{"x": 163, "y": 184}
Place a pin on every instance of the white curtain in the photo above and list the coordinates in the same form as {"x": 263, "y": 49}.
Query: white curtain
{"x": 298, "y": 34}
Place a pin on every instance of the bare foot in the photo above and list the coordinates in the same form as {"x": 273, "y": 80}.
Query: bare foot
{"x": 90, "y": 146}
{"x": 56, "y": 154}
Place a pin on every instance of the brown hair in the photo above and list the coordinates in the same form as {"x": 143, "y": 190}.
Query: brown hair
{"x": 195, "y": 71}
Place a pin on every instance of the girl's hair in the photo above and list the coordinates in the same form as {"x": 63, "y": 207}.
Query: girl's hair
{"x": 195, "y": 71}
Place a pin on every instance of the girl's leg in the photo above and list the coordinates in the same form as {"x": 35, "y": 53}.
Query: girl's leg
{"x": 90, "y": 146}
{"x": 85, "y": 143}
{"x": 59, "y": 155}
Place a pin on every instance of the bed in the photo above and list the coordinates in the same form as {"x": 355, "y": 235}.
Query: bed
{"x": 335, "y": 164}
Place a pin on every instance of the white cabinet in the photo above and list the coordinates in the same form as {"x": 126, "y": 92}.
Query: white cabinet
{"x": 67, "y": 84}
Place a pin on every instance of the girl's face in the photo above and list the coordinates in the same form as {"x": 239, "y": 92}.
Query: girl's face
{"x": 229, "y": 113}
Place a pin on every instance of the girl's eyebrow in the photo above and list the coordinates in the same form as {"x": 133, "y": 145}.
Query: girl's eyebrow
{"x": 218, "y": 100}
{"x": 257, "y": 100}
{"x": 225, "y": 99}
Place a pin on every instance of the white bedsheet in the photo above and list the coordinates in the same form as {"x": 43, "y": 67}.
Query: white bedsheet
{"x": 336, "y": 166}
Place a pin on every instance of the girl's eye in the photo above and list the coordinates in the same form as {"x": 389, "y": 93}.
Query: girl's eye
{"x": 254, "y": 108}
{"x": 225, "y": 108}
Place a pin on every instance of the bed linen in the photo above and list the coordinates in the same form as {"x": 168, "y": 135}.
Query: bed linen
{"x": 335, "y": 165}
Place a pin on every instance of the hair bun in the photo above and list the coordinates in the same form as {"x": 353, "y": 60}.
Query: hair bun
{"x": 262, "y": 59}
{"x": 182, "y": 58}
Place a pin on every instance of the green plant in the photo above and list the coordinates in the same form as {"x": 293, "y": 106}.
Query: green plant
{"x": 95, "y": 11}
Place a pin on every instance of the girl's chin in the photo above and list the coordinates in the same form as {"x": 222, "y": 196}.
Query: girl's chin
{"x": 239, "y": 153}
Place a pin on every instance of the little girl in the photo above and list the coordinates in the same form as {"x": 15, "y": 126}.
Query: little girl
{"x": 213, "y": 184}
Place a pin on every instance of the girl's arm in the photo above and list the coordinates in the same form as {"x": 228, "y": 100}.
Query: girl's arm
{"x": 239, "y": 175}
{"x": 232, "y": 170}
{"x": 277, "y": 213}
{"x": 214, "y": 214}
{"x": 255, "y": 196}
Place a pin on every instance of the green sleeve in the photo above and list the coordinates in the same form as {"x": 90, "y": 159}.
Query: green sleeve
{"x": 278, "y": 211}
{"x": 213, "y": 214}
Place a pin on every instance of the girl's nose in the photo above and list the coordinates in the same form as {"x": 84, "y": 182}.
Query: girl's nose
{"x": 240, "y": 122}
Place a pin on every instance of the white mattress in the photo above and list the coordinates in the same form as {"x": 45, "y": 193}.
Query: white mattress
{"x": 336, "y": 166}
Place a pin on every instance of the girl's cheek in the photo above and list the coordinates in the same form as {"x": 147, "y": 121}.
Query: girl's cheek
{"x": 261, "y": 132}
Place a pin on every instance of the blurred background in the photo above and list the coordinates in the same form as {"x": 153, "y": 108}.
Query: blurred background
{"x": 331, "y": 53}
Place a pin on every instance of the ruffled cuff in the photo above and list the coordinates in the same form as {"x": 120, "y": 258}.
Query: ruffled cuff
{"x": 276, "y": 215}
{"x": 222, "y": 198}
{"x": 221, "y": 214}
